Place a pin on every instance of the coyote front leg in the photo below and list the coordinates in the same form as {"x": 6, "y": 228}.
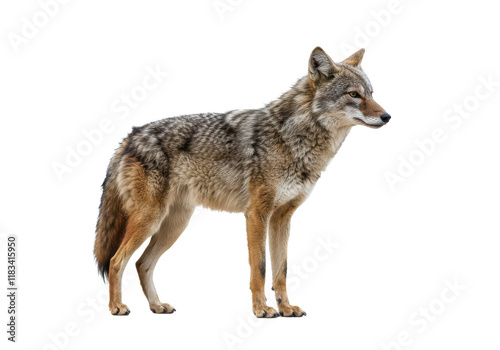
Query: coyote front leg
{"x": 257, "y": 216}
{"x": 279, "y": 231}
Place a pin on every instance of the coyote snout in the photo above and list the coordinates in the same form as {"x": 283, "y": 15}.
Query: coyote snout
{"x": 262, "y": 162}
{"x": 373, "y": 116}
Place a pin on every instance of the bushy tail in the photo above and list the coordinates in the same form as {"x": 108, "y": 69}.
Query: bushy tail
{"x": 110, "y": 227}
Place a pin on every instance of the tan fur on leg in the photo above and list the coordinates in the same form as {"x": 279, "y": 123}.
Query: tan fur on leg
{"x": 279, "y": 231}
{"x": 257, "y": 215}
{"x": 138, "y": 230}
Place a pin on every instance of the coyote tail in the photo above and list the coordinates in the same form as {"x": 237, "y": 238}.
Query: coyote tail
{"x": 111, "y": 224}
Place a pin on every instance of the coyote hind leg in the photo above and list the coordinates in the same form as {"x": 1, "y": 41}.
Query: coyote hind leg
{"x": 171, "y": 228}
{"x": 139, "y": 228}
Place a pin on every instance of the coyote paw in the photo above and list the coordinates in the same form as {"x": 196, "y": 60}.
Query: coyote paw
{"x": 119, "y": 309}
{"x": 265, "y": 312}
{"x": 291, "y": 311}
{"x": 162, "y": 308}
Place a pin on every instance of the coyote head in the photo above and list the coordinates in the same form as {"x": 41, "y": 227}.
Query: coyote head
{"x": 343, "y": 93}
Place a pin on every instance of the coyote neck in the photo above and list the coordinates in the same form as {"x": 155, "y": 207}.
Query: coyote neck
{"x": 301, "y": 129}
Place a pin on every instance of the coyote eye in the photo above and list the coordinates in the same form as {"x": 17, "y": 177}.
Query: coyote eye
{"x": 353, "y": 94}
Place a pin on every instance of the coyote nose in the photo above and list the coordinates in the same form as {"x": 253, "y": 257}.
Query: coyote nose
{"x": 385, "y": 117}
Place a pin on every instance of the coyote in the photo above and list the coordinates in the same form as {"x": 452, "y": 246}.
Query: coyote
{"x": 262, "y": 162}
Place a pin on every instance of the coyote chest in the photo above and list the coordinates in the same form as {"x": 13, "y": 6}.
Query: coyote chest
{"x": 290, "y": 188}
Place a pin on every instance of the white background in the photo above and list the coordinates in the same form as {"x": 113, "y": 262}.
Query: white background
{"x": 395, "y": 246}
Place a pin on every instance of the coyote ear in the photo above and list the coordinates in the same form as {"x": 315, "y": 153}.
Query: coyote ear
{"x": 356, "y": 58}
{"x": 321, "y": 66}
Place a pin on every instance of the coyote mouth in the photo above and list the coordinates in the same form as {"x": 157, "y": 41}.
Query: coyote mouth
{"x": 374, "y": 126}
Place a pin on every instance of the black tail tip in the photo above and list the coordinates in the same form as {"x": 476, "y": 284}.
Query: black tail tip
{"x": 104, "y": 271}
